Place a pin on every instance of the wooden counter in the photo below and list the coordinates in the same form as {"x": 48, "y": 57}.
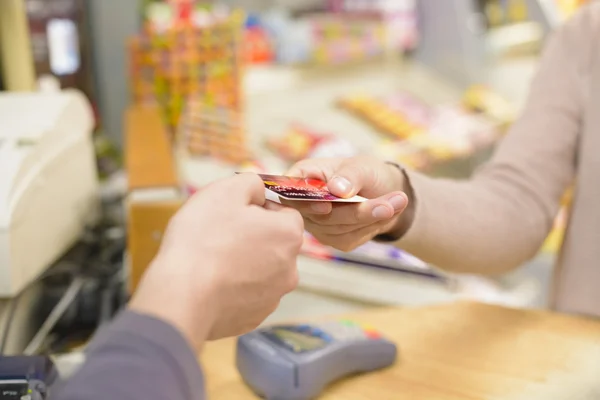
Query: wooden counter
{"x": 458, "y": 351}
{"x": 153, "y": 195}
{"x": 149, "y": 159}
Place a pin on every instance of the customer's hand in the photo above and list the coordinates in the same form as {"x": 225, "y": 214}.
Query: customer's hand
{"x": 347, "y": 226}
{"x": 226, "y": 260}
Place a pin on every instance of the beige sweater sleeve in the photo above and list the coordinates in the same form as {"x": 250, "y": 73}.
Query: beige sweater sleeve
{"x": 501, "y": 217}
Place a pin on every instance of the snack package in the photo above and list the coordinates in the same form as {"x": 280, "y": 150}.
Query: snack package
{"x": 389, "y": 119}
{"x": 419, "y": 134}
{"x": 296, "y": 144}
{"x": 479, "y": 99}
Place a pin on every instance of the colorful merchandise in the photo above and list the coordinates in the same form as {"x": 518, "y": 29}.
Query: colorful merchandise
{"x": 339, "y": 40}
{"x": 385, "y": 118}
{"x": 213, "y": 131}
{"x": 296, "y": 144}
{"x": 399, "y": 19}
{"x": 343, "y": 35}
{"x": 292, "y": 39}
{"x": 301, "y": 142}
{"x": 419, "y": 135}
{"x": 164, "y": 14}
{"x": 257, "y": 46}
{"x": 482, "y": 100}
{"x": 172, "y": 63}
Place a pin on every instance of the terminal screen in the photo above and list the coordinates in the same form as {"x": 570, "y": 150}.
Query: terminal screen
{"x": 298, "y": 342}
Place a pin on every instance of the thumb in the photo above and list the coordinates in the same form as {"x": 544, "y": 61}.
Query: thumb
{"x": 349, "y": 179}
{"x": 250, "y": 189}
{"x": 243, "y": 189}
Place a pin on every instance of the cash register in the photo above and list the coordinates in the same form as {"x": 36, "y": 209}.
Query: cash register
{"x": 48, "y": 181}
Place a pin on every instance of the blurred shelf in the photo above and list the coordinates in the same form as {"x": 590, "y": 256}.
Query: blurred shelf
{"x": 370, "y": 285}
{"x": 521, "y": 37}
{"x": 526, "y": 287}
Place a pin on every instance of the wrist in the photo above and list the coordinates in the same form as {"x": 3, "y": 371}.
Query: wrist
{"x": 162, "y": 295}
{"x": 403, "y": 221}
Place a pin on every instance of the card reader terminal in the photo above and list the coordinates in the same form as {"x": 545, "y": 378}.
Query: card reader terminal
{"x": 296, "y": 362}
{"x": 26, "y": 378}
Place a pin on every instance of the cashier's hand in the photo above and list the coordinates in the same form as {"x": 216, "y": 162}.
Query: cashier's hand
{"x": 347, "y": 226}
{"x": 226, "y": 259}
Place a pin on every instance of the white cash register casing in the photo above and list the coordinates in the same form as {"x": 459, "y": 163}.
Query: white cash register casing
{"x": 48, "y": 181}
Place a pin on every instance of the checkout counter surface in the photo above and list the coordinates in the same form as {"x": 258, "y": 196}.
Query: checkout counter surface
{"x": 457, "y": 351}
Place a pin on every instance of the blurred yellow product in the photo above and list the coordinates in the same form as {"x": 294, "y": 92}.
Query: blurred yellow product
{"x": 379, "y": 114}
{"x": 517, "y": 10}
{"x": 400, "y": 124}
{"x": 554, "y": 241}
{"x": 474, "y": 97}
{"x": 320, "y": 55}
{"x": 494, "y": 12}
{"x": 417, "y": 131}
{"x": 568, "y": 7}
{"x": 480, "y": 99}
{"x": 299, "y": 142}
{"x": 555, "y": 238}
{"x": 381, "y": 33}
{"x": 441, "y": 153}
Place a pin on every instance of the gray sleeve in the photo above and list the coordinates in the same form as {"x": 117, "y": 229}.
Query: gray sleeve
{"x": 136, "y": 357}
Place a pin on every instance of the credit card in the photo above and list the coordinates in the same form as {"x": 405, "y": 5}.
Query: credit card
{"x": 301, "y": 189}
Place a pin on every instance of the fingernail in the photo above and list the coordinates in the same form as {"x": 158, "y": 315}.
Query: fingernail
{"x": 381, "y": 212}
{"x": 398, "y": 202}
{"x": 321, "y": 208}
{"x": 341, "y": 185}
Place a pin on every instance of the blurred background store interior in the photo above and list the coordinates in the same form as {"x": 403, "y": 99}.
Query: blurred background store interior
{"x": 433, "y": 84}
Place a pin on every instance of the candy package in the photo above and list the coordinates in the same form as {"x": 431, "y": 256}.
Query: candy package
{"x": 296, "y": 144}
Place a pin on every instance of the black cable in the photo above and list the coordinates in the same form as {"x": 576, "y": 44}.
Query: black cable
{"x": 15, "y": 302}
{"x": 58, "y": 311}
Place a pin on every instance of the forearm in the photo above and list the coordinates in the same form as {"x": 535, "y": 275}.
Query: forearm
{"x": 487, "y": 225}
{"x": 137, "y": 357}
{"x": 500, "y": 218}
